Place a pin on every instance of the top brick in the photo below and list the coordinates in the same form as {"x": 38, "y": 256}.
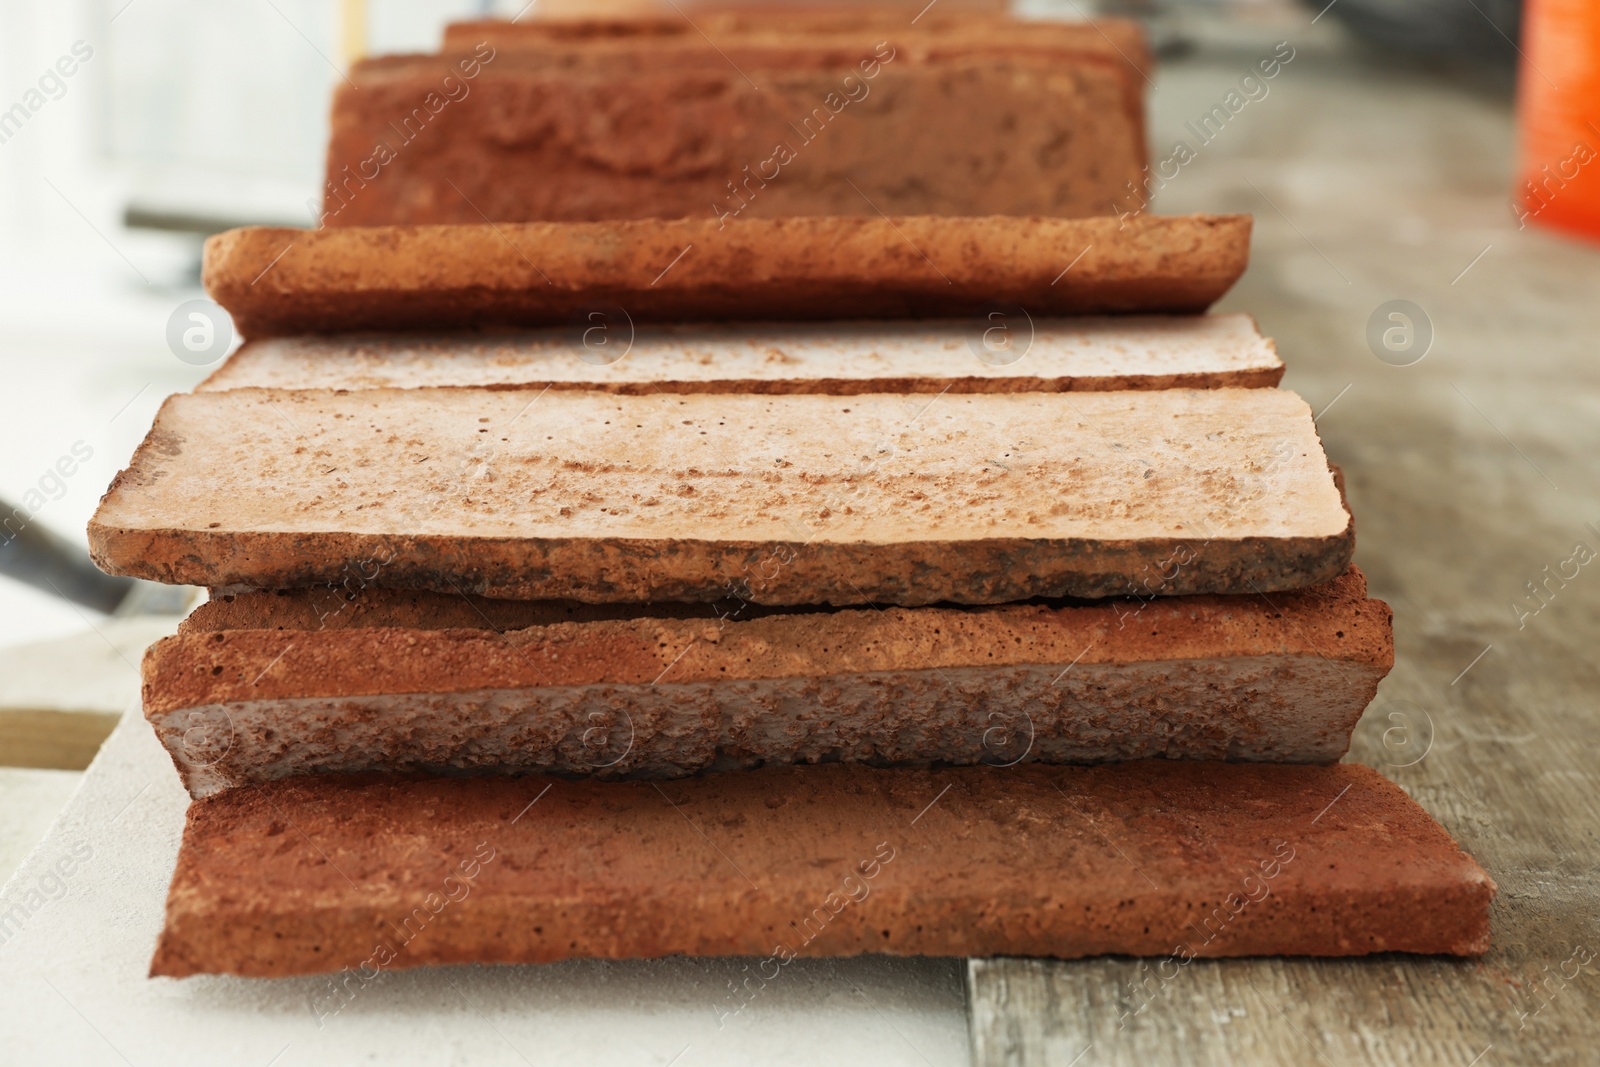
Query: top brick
{"x": 744, "y": 117}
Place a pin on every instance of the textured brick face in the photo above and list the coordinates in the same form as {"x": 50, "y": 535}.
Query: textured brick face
{"x": 801, "y": 499}
{"x": 318, "y": 874}
{"x": 1090, "y": 354}
{"x": 281, "y": 281}
{"x": 982, "y": 118}
{"x": 1183, "y": 678}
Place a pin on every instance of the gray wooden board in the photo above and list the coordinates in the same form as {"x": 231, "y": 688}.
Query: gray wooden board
{"x": 1468, "y": 473}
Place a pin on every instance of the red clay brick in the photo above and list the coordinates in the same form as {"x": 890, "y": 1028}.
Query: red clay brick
{"x": 841, "y": 359}
{"x": 313, "y": 875}
{"x": 976, "y": 116}
{"x": 1243, "y": 678}
{"x": 282, "y": 281}
{"x": 972, "y": 498}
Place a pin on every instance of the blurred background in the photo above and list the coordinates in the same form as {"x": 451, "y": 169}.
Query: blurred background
{"x": 185, "y": 118}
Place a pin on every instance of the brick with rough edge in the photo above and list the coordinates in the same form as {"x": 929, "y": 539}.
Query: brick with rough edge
{"x": 910, "y": 500}
{"x": 282, "y": 281}
{"x": 1005, "y": 354}
{"x": 990, "y": 116}
{"x": 315, "y": 875}
{"x": 1280, "y": 679}
{"x": 936, "y": 32}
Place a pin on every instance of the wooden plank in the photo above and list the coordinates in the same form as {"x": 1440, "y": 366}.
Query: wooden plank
{"x": 1008, "y": 354}
{"x": 47, "y": 738}
{"x": 981, "y": 498}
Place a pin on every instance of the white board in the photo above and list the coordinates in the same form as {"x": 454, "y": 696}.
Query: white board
{"x": 72, "y": 978}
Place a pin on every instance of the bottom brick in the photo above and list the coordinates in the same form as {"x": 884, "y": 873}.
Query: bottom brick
{"x": 360, "y": 874}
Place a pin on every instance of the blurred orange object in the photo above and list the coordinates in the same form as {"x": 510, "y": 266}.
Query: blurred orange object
{"x": 1558, "y": 111}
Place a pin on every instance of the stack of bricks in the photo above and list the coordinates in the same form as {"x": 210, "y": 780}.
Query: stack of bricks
{"x": 741, "y": 585}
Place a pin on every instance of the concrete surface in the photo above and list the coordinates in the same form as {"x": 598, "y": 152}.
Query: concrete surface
{"x": 30, "y": 800}
{"x": 72, "y": 979}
